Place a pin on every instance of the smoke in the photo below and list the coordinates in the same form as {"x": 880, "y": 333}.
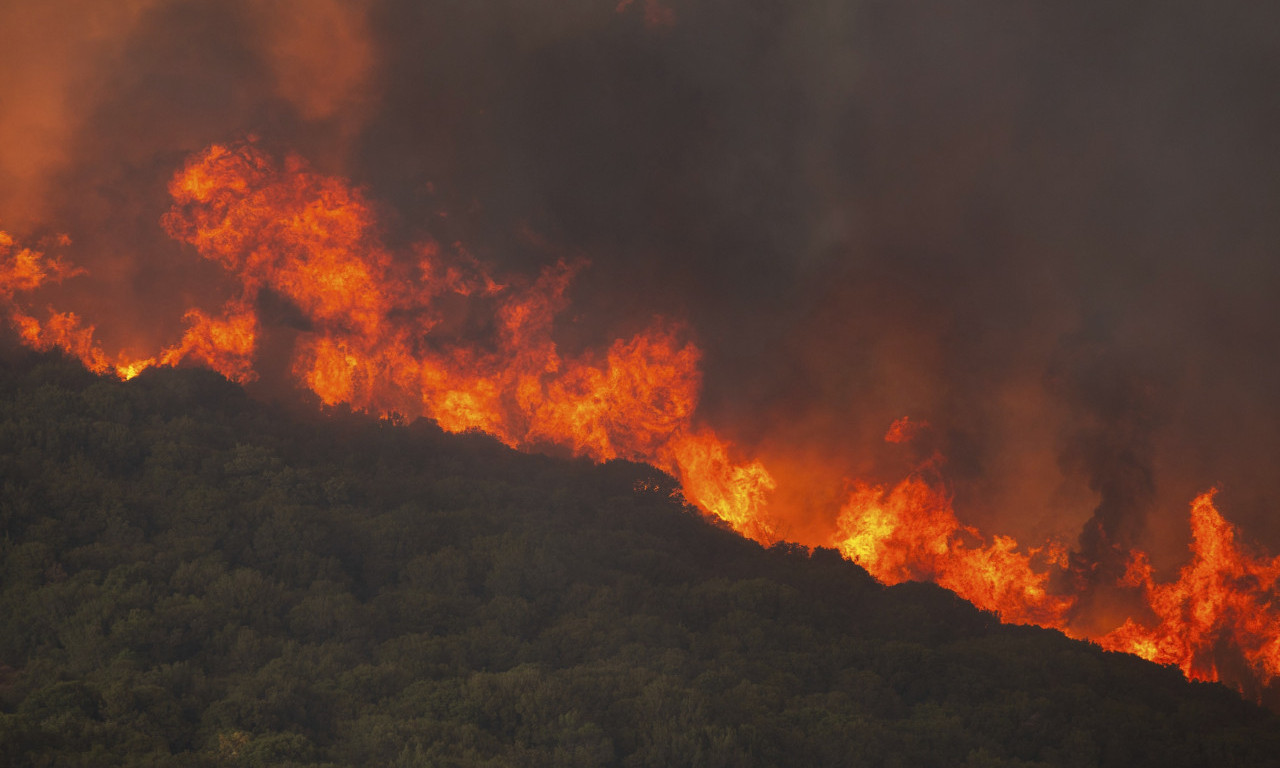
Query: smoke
{"x": 1047, "y": 230}
{"x": 104, "y": 103}
{"x": 49, "y": 59}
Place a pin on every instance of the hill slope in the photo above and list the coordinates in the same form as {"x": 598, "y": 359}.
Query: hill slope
{"x": 193, "y": 578}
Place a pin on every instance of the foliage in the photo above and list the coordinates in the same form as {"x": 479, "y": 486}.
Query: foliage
{"x": 192, "y": 578}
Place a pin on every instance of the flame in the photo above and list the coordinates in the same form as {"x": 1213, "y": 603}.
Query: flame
{"x": 23, "y": 270}
{"x": 904, "y": 430}
{"x": 735, "y": 493}
{"x": 372, "y": 334}
{"x": 656, "y": 14}
{"x": 368, "y": 343}
{"x": 911, "y": 533}
{"x": 1223, "y": 598}
{"x": 311, "y": 239}
{"x": 219, "y": 343}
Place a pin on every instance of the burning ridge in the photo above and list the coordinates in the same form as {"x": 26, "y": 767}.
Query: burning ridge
{"x": 369, "y": 319}
{"x": 370, "y": 336}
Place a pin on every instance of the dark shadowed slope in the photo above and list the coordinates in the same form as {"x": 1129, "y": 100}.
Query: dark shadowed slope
{"x": 193, "y": 578}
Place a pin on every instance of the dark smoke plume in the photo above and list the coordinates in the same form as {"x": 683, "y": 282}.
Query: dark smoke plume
{"x": 1047, "y": 229}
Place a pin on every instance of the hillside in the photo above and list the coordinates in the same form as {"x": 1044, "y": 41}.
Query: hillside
{"x": 191, "y": 577}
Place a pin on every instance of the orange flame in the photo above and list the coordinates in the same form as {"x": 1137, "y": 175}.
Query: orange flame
{"x": 912, "y": 534}
{"x": 1223, "y": 599}
{"x": 370, "y": 337}
{"x": 23, "y": 270}
{"x": 737, "y": 494}
{"x": 312, "y": 239}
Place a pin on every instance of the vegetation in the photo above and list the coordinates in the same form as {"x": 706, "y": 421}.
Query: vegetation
{"x": 192, "y": 578}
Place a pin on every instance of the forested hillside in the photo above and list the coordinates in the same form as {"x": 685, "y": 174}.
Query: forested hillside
{"x": 193, "y": 578}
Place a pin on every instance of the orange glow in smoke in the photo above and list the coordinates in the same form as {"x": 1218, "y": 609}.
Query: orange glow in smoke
{"x": 369, "y": 339}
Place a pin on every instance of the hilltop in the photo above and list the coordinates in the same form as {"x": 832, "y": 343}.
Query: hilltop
{"x": 192, "y": 577}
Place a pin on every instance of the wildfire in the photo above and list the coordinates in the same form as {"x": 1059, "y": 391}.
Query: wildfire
{"x": 912, "y": 534}
{"x": 369, "y": 337}
{"x": 312, "y": 239}
{"x": 903, "y": 430}
{"x": 1223, "y": 603}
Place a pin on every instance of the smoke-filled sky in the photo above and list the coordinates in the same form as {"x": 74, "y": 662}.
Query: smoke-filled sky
{"x": 1047, "y": 229}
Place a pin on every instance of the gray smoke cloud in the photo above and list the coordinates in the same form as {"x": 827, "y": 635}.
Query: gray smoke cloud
{"x": 1047, "y": 229}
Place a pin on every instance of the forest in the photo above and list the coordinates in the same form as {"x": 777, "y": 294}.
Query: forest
{"x": 192, "y": 577}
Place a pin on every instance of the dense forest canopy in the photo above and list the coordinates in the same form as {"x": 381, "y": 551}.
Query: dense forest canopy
{"x": 972, "y": 293}
{"x": 191, "y": 577}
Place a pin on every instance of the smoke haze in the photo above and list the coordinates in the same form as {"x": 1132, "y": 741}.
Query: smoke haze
{"x": 1048, "y": 230}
